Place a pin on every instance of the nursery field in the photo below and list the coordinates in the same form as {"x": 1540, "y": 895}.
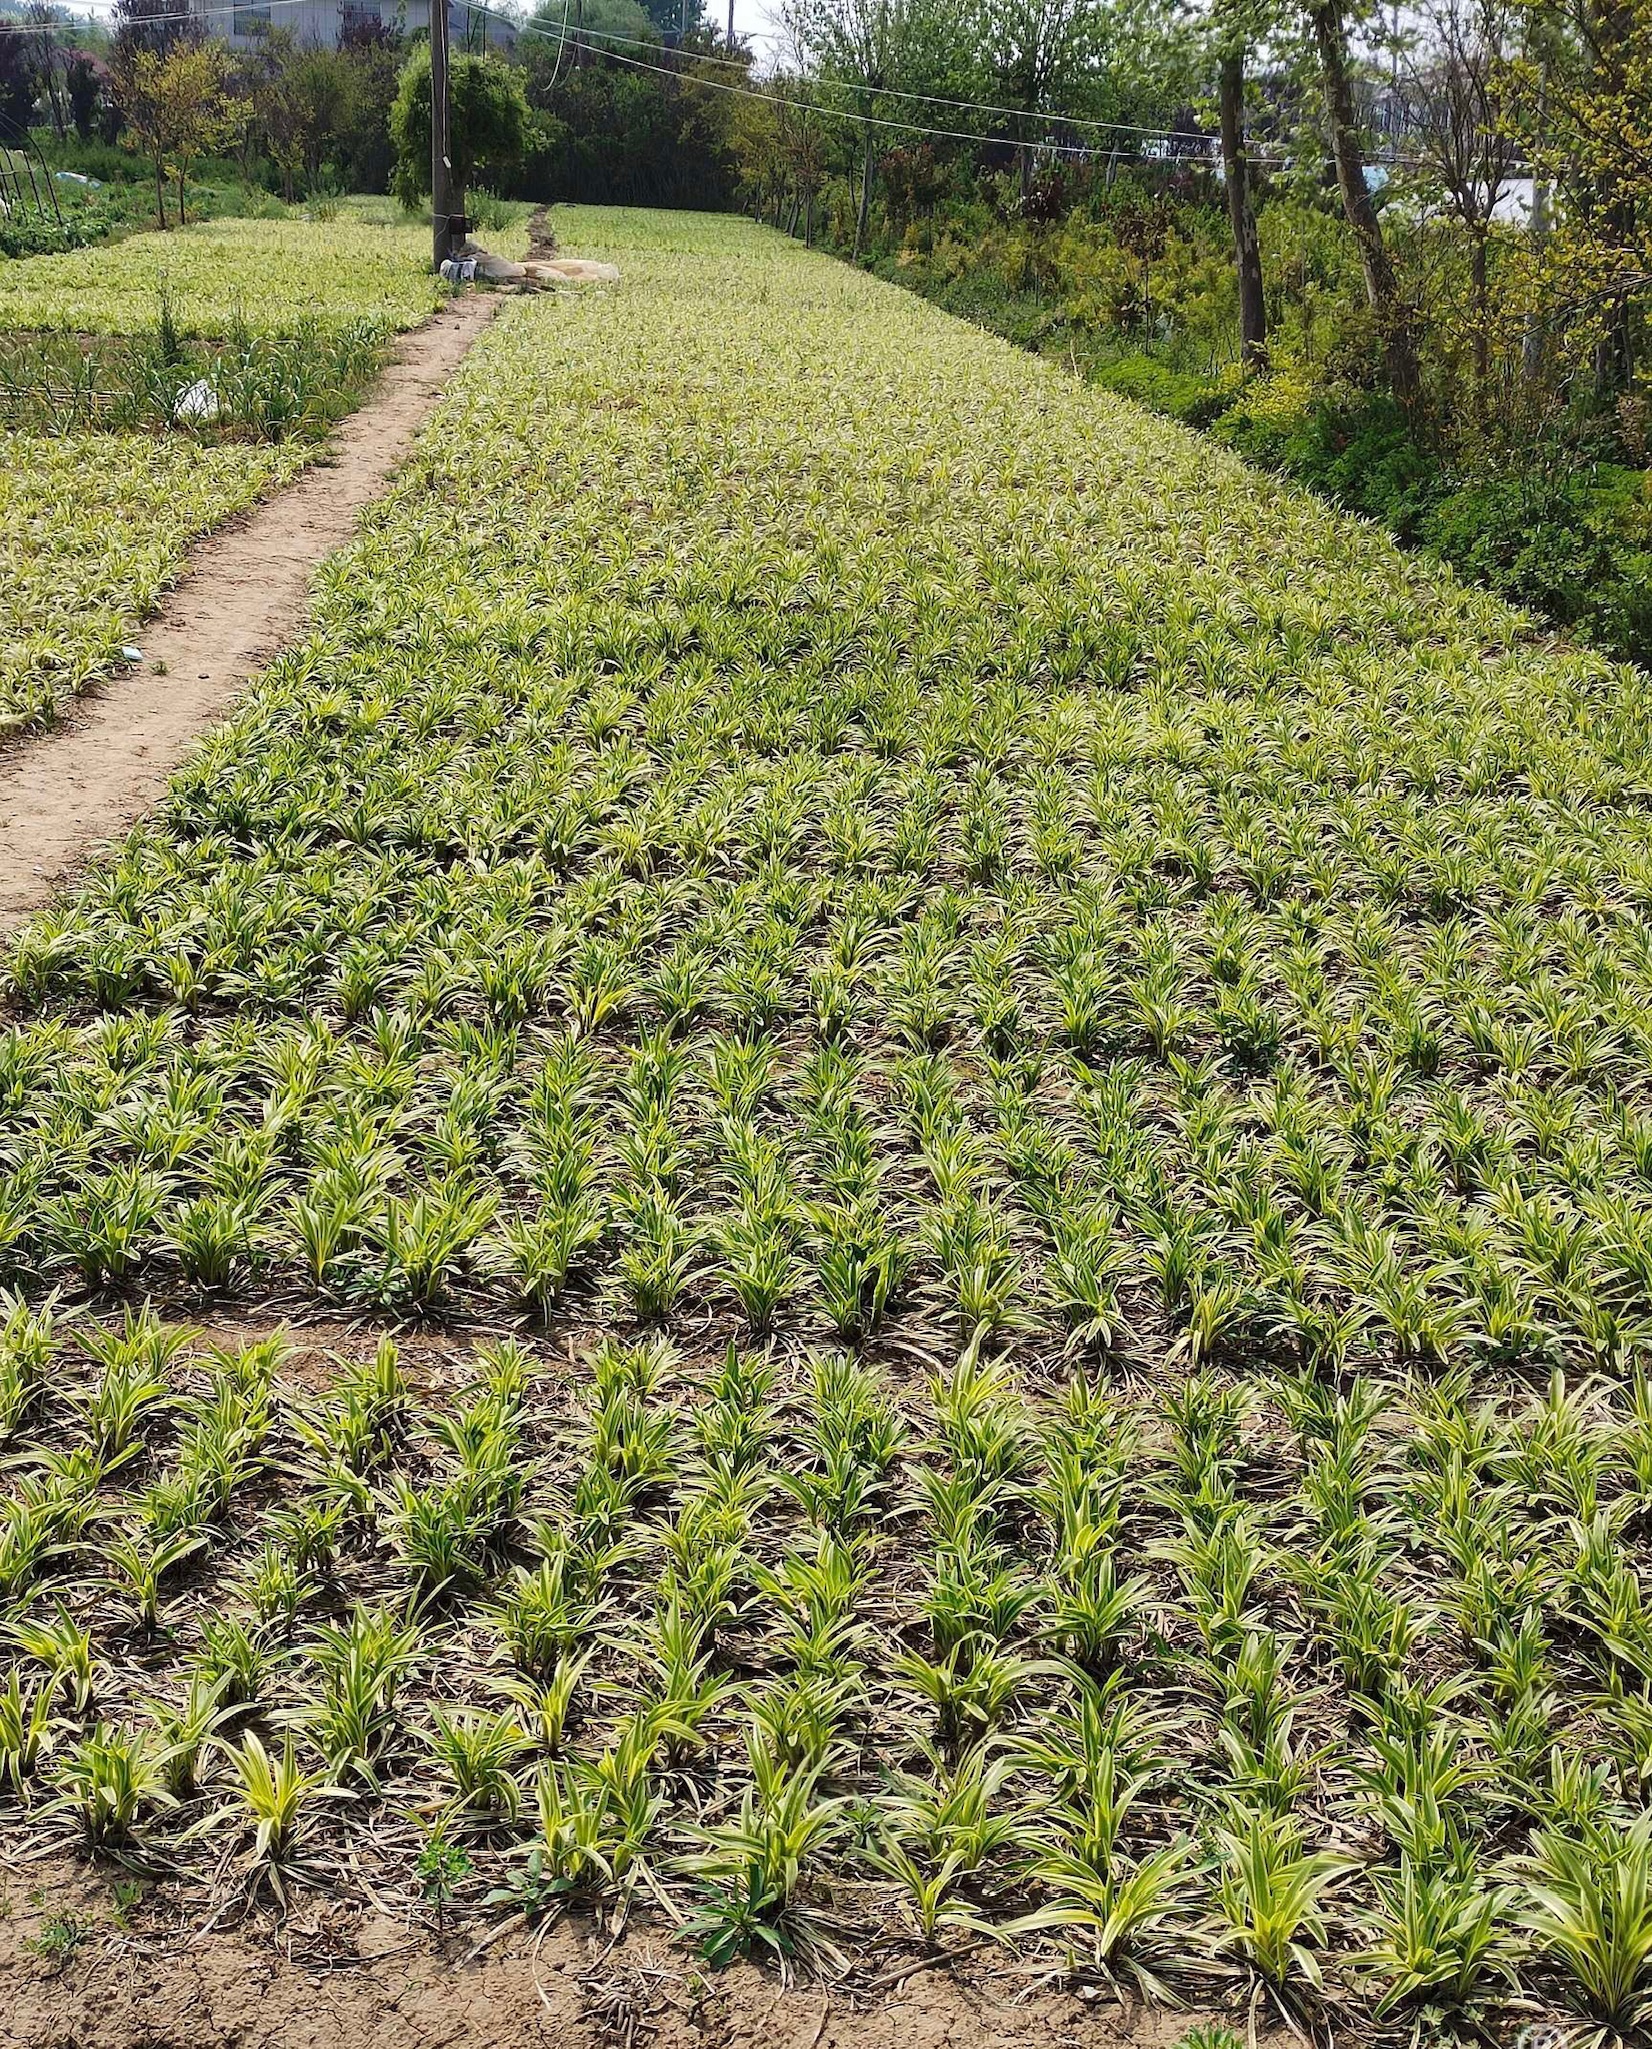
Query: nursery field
{"x": 282, "y": 323}
{"x": 270, "y": 274}
{"x": 954, "y": 1111}
{"x": 92, "y": 529}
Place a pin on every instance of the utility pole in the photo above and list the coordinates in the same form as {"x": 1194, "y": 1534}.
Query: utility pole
{"x": 448, "y": 227}
{"x": 731, "y": 24}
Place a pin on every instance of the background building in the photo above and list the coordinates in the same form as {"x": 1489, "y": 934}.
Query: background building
{"x": 330, "y": 22}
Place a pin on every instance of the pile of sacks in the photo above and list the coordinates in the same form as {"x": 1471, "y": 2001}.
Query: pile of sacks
{"x": 478, "y": 265}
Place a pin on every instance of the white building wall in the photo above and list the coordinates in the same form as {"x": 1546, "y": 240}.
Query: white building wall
{"x": 240, "y": 22}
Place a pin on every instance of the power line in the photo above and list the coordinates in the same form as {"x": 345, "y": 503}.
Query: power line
{"x": 1191, "y": 145}
{"x": 748, "y": 92}
{"x": 889, "y": 92}
{"x": 228, "y": 8}
{"x": 608, "y": 36}
{"x": 205, "y": 11}
{"x": 1180, "y": 137}
{"x": 561, "y": 42}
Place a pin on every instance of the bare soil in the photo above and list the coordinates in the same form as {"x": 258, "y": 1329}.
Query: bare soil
{"x": 127, "y": 1975}
{"x": 245, "y": 593}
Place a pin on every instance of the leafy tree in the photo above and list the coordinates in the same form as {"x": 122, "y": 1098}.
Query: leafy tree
{"x": 1582, "y": 90}
{"x": 1233, "y": 31}
{"x": 563, "y": 41}
{"x": 676, "y": 17}
{"x": 179, "y": 107}
{"x": 491, "y": 123}
{"x": 50, "y": 60}
{"x": 1236, "y": 180}
{"x": 151, "y": 25}
{"x": 627, "y": 21}
{"x": 19, "y": 82}
{"x": 870, "y": 49}
{"x": 83, "y": 82}
{"x": 1050, "y": 56}
{"x": 1456, "y": 75}
{"x": 1395, "y": 318}
{"x": 302, "y": 96}
{"x": 612, "y": 135}
{"x": 780, "y": 144}
{"x": 362, "y": 153}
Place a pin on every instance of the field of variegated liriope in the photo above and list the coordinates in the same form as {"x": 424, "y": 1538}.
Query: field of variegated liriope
{"x": 974, "y": 1097}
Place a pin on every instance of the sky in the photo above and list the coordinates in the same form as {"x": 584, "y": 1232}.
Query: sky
{"x": 750, "y": 16}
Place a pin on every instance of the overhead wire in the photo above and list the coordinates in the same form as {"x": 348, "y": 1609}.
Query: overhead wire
{"x": 561, "y": 43}
{"x": 888, "y": 92}
{"x": 211, "y": 8}
{"x": 1181, "y": 138}
{"x": 207, "y": 8}
{"x": 1191, "y": 144}
{"x": 1188, "y": 144}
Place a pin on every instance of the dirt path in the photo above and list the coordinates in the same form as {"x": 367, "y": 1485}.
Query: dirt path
{"x": 244, "y": 594}
{"x": 79, "y": 1971}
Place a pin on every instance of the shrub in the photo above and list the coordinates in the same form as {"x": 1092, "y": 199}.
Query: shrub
{"x": 491, "y": 123}
{"x": 1546, "y": 537}
{"x": 1183, "y": 394}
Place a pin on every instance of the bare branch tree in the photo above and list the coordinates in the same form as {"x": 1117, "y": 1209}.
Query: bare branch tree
{"x": 1454, "y": 72}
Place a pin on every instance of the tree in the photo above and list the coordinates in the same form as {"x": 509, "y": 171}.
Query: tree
{"x": 19, "y": 83}
{"x": 868, "y": 49}
{"x": 491, "y": 123}
{"x": 362, "y": 153}
{"x": 676, "y": 17}
{"x": 302, "y": 97}
{"x": 1396, "y": 323}
{"x": 611, "y": 135}
{"x": 1234, "y": 27}
{"x": 155, "y": 25}
{"x": 1583, "y": 94}
{"x": 51, "y": 60}
{"x": 1038, "y": 52}
{"x": 1456, "y": 74}
{"x": 779, "y": 144}
{"x": 83, "y": 82}
{"x": 179, "y": 107}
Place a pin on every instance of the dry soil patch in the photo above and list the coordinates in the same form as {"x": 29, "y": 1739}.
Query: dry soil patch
{"x": 330, "y": 1976}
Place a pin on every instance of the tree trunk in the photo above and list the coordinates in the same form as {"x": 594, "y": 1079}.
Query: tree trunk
{"x": 865, "y": 198}
{"x": 181, "y": 215}
{"x": 160, "y": 192}
{"x": 1532, "y": 341}
{"x": 1480, "y": 294}
{"x": 1394, "y": 319}
{"x": 1247, "y": 250}
{"x": 1615, "y": 360}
